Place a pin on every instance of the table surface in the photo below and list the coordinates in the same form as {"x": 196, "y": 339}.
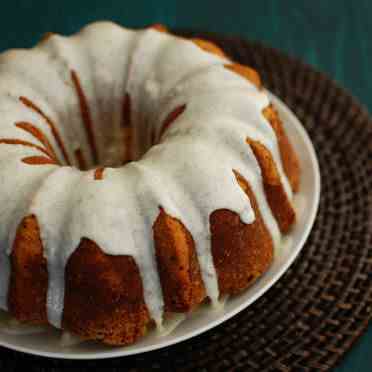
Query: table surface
{"x": 332, "y": 36}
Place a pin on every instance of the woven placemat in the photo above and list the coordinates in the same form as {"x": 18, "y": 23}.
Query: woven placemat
{"x": 312, "y": 316}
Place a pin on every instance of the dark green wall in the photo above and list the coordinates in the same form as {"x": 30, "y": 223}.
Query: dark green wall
{"x": 334, "y": 36}
{"x": 331, "y": 35}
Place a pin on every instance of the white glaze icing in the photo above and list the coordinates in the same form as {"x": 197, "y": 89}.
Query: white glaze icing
{"x": 189, "y": 172}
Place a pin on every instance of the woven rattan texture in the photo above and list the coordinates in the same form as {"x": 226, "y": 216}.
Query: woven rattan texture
{"x": 312, "y": 316}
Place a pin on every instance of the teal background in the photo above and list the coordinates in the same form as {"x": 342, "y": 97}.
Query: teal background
{"x": 334, "y": 36}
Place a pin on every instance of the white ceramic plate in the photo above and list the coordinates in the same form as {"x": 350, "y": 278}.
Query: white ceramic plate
{"x": 48, "y": 343}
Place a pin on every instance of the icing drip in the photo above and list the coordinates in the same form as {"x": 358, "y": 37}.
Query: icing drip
{"x": 163, "y": 89}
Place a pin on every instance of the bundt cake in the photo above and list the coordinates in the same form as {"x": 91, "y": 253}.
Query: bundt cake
{"x": 141, "y": 174}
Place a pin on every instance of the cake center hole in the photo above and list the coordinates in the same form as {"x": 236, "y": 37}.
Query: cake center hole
{"x": 117, "y": 149}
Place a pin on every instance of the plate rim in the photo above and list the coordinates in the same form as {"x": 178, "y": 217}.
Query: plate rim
{"x": 122, "y": 351}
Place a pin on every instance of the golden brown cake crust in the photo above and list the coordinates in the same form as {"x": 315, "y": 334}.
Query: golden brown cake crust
{"x": 241, "y": 252}
{"x": 29, "y": 276}
{"x": 159, "y": 27}
{"x": 104, "y": 296}
{"x": 209, "y": 47}
{"x": 178, "y": 265}
{"x": 248, "y": 73}
{"x": 289, "y": 158}
{"x": 276, "y": 196}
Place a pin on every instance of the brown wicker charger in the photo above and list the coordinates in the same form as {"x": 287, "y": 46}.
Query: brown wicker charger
{"x": 312, "y": 316}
